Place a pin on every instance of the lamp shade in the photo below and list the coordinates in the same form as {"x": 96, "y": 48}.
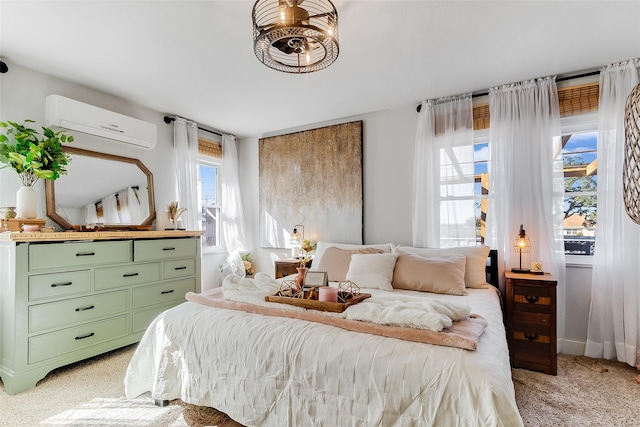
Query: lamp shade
{"x": 295, "y": 36}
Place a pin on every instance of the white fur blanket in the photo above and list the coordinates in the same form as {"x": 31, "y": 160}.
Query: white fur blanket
{"x": 391, "y": 310}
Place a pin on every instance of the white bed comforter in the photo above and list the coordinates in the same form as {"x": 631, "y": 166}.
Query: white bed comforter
{"x": 266, "y": 371}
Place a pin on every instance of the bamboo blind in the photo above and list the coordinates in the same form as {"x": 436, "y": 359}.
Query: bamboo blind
{"x": 209, "y": 148}
{"x": 571, "y": 100}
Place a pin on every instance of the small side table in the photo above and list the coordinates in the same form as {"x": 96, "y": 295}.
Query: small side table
{"x": 531, "y": 321}
{"x": 285, "y": 267}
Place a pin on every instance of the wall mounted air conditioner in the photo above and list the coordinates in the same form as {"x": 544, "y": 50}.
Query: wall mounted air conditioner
{"x": 75, "y": 115}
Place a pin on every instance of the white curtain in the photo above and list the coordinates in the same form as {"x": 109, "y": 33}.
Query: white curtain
{"x": 443, "y": 172}
{"x": 123, "y": 198}
{"x": 130, "y": 212}
{"x": 90, "y": 214}
{"x": 135, "y": 211}
{"x": 613, "y": 318}
{"x": 233, "y": 224}
{"x": 526, "y": 177}
{"x": 187, "y": 164}
{"x": 110, "y": 210}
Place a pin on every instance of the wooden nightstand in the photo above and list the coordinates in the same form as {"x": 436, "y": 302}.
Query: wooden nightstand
{"x": 531, "y": 321}
{"x": 285, "y": 267}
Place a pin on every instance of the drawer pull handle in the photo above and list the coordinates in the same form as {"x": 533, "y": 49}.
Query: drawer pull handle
{"x": 130, "y": 275}
{"x": 85, "y": 254}
{"x": 530, "y": 336}
{"x": 81, "y": 337}
{"x": 168, "y": 249}
{"x": 532, "y": 299}
{"x": 55, "y": 285}
{"x": 180, "y": 268}
{"x": 167, "y": 292}
{"x": 86, "y": 308}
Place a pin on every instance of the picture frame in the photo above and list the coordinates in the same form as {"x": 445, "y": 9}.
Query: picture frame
{"x": 315, "y": 279}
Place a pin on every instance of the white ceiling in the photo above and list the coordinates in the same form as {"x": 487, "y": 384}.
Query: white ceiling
{"x": 195, "y": 58}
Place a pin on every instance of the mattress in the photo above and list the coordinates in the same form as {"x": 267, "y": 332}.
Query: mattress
{"x": 271, "y": 371}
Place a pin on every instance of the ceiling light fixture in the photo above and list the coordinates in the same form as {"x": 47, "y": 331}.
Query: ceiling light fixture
{"x": 295, "y": 36}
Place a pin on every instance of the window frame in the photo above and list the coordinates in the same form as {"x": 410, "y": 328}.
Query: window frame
{"x": 579, "y": 123}
{"x": 217, "y": 163}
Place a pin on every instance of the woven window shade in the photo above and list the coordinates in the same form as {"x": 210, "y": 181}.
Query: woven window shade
{"x": 578, "y": 99}
{"x": 209, "y": 148}
{"x": 571, "y": 100}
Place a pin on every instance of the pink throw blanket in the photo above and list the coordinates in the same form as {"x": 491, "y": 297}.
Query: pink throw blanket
{"x": 463, "y": 334}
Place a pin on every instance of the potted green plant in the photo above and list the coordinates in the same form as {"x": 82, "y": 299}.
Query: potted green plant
{"x": 33, "y": 156}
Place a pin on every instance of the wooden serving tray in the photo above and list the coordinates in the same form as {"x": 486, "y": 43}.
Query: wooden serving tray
{"x": 334, "y": 307}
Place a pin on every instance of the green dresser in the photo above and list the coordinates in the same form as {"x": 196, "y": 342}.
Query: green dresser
{"x": 64, "y": 301}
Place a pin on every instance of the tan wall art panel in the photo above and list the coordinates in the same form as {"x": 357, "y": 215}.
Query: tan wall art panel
{"x": 313, "y": 178}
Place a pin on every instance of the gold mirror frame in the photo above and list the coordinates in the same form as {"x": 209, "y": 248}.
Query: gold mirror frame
{"x": 50, "y": 191}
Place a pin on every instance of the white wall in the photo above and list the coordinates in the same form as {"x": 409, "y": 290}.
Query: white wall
{"x": 22, "y": 96}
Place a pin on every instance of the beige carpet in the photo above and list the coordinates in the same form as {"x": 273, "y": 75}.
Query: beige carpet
{"x": 586, "y": 392}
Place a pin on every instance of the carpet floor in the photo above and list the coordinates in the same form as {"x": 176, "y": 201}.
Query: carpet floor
{"x": 586, "y": 392}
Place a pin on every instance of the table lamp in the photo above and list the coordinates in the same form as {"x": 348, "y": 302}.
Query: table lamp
{"x": 521, "y": 245}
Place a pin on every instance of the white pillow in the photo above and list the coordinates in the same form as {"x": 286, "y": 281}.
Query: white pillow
{"x": 475, "y": 275}
{"x": 372, "y": 270}
{"x": 322, "y": 246}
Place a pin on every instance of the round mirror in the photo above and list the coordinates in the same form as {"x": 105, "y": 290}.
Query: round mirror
{"x": 113, "y": 191}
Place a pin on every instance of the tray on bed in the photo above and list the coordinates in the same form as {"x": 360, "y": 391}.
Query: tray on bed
{"x": 335, "y": 307}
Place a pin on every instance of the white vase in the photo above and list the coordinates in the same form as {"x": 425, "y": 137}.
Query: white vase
{"x": 27, "y": 202}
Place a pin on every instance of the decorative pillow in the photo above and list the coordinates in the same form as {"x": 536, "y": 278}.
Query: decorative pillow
{"x": 475, "y": 275}
{"x": 372, "y": 270}
{"x": 335, "y": 261}
{"x": 322, "y": 246}
{"x": 443, "y": 275}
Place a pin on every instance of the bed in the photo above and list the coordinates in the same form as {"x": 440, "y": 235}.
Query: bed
{"x": 265, "y": 370}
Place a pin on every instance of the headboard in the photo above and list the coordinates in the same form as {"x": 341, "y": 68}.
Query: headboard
{"x": 492, "y": 268}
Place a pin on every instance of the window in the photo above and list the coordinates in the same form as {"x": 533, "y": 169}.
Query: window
{"x": 210, "y": 191}
{"x": 579, "y": 155}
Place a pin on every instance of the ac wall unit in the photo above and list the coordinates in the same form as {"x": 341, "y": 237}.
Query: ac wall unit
{"x": 75, "y": 115}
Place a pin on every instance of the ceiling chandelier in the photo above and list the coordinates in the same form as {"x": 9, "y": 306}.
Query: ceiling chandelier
{"x": 295, "y": 36}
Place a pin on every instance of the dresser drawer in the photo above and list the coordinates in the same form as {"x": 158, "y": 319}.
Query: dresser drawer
{"x": 77, "y": 254}
{"x": 46, "y": 286}
{"x": 150, "y": 250}
{"x": 162, "y": 292}
{"x": 179, "y": 268}
{"x": 142, "y": 318}
{"x": 46, "y": 346}
{"x": 76, "y": 310}
{"x": 125, "y": 275}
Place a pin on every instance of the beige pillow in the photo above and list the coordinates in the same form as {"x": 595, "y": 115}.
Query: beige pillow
{"x": 475, "y": 275}
{"x": 372, "y": 270}
{"x": 335, "y": 261}
{"x": 442, "y": 275}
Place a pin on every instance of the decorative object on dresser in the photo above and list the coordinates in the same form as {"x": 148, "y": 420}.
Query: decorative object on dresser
{"x": 65, "y": 300}
{"x": 78, "y": 198}
{"x": 531, "y": 321}
{"x": 33, "y": 157}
